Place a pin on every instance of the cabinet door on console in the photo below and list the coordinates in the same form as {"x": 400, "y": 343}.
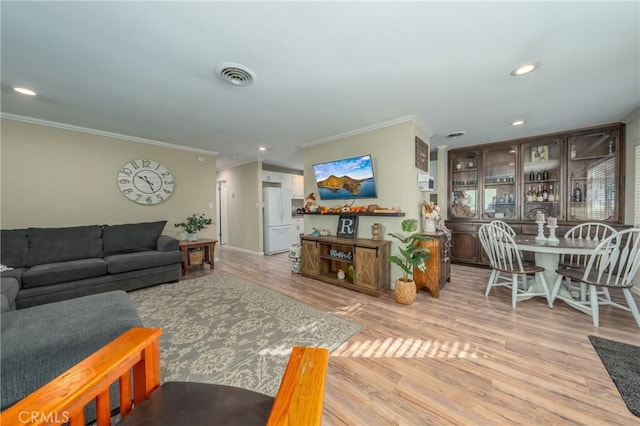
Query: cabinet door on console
{"x": 309, "y": 257}
{"x": 464, "y": 246}
{"x": 366, "y": 267}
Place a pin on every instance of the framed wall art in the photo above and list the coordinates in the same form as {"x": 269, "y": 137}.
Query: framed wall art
{"x": 539, "y": 153}
{"x": 347, "y": 226}
{"x": 422, "y": 155}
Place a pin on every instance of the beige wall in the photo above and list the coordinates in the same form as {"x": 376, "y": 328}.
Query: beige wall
{"x": 56, "y": 177}
{"x": 244, "y": 196}
{"x": 393, "y": 155}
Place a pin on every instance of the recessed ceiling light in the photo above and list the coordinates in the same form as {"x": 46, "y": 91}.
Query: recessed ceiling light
{"x": 457, "y": 134}
{"x": 517, "y": 123}
{"x": 262, "y": 148}
{"x": 525, "y": 69}
{"x": 24, "y": 91}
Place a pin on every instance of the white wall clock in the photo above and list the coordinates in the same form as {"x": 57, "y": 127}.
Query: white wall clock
{"x": 145, "y": 181}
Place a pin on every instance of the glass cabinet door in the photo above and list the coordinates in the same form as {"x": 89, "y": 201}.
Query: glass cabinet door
{"x": 500, "y": 195}
{"x": 464, "y": 185}
{"x": 593, "y": 176}
{"x": 542, "y": 179}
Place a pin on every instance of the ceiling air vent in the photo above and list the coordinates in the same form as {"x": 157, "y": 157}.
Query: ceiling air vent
{"x": 457, "y": 134}
{"x": 235, "y": 74}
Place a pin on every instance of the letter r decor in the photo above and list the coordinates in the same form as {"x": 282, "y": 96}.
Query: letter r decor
{"x": 347, "y": 226}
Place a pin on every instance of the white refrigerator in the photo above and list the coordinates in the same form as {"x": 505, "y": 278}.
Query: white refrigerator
{"x": 277, "y": 219}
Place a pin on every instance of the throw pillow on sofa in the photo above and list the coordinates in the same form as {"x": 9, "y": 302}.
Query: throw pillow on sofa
{"x": 131, "y": 237}
{"x": 14, "y": 247}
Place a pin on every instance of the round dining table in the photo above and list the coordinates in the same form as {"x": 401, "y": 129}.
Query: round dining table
{"x": 547, "y": 255}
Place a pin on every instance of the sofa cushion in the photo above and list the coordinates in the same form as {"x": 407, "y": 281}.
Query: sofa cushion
{"x": 51, "y": 245}
{"x": 8, "y": 291}
{"x": 119, "y": 263}
{"x": 131, "y": 237}
{"x": 42, "y": 342}
{"x": 13, "y": 247}
{"x": 60, "y": 272}
{"x": 13, "y": 273}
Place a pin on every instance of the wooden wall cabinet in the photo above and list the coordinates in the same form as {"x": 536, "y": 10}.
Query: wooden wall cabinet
{"x": 463, "y": 183}
{"x": 576, "y": 176}
{"x": 438, "y": 266}
{"x": 323, "y": 257}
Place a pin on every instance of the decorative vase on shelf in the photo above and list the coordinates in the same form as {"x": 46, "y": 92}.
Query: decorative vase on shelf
{"x": 429, "y": 225}
{"x": 192, "y": 236}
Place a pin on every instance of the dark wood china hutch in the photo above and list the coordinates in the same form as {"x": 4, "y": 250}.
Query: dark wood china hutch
{"x": 575, "y": 176}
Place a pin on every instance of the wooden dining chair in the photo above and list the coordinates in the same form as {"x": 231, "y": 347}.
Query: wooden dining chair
{"x": 505, "y": 257}
{"x": 132, "y": 362}
{"x": 509, "y": 229}
{"x": 592, "y": 231}
{"x": 613, "y": 265}
{"x": 504, "y": 226}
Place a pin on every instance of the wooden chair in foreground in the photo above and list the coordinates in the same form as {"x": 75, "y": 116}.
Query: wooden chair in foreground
{"x": 133, "y": 361}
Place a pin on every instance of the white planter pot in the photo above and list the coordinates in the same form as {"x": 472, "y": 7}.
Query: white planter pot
{"x": 429, "y": 225}
{"x": 192, "y": 237}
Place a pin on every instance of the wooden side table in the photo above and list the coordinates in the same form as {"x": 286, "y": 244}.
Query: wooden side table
{"x": 208, "y": 246}
{"x": 438, "y": 265}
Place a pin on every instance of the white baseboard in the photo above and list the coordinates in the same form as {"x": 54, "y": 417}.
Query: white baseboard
{"x": 228, "y": 247}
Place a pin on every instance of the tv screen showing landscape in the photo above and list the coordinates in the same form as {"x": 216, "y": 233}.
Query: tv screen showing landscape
{"x": 346, "y": 179}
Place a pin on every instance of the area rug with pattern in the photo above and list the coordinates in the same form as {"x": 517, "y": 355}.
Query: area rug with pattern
{"x": 622, "y": 361}
{"x": 226, "y": 330}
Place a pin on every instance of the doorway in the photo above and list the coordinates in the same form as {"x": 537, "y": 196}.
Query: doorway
{"x": 223, "y": 218}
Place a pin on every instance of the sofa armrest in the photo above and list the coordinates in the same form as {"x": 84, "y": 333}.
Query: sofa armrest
{"x": 167, "y": 243}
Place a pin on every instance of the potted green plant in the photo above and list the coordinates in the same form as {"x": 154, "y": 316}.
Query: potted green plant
{"x": 412, "y": 256}
{"x": 194, "y": 223}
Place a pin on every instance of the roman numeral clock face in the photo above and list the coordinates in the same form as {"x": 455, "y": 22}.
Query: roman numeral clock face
{"x": 145, "y": 181}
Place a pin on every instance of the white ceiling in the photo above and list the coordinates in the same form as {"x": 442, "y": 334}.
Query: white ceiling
{"x": 147, "y": 69}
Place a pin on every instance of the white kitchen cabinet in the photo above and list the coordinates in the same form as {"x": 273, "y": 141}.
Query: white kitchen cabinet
{"x": 298, "y": 187}
{"x": 273, "y": 177}
{"x": 287, "y": 181}
{"x": 296, "y": 229}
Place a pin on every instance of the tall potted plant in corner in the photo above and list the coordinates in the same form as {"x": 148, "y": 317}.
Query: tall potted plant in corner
{"x": 194, "y": 223}
{"x": 411, "y": 256}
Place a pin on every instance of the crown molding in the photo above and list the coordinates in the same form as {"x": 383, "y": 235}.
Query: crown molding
{"x": 71, "y": 127}
{"x": 423, "y": 126}
{"x": 399, "y": 120}
{"x": 238, "y": 164}
{"x": 634, "y": 115}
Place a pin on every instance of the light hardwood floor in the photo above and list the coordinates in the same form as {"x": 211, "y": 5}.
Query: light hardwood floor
{"x": 462, "y": 359}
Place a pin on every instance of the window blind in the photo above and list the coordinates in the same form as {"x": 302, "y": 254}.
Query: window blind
{"x": 636, "y": 220}
{"x": 601, "y": 190}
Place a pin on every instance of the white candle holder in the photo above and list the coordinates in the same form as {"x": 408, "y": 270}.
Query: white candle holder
{"x": 541, "y": 236}
{"x": 552, "y": 234}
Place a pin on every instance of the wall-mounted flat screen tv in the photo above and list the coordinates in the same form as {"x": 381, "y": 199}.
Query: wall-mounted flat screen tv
{"x": 345, "y": 179}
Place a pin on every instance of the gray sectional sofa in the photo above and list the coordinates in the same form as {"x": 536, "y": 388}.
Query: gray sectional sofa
{"x": 38, "y": 344}
{"x": 54, "y": 264}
